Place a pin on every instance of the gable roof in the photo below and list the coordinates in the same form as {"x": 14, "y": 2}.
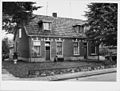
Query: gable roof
{"x": 60, "y": 26}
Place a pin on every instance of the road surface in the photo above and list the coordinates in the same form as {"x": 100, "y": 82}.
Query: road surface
{"x": 101, "y": 77}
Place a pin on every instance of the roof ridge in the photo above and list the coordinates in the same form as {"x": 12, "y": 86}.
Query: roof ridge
{"x": 61, "y": 17}
{"x": 60, "y": 26}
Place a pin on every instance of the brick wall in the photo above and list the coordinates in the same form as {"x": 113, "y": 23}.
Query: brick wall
{"x": 67, "y": 48}
{"x": 22, "y": 45}
{"x": 23, "y": 49}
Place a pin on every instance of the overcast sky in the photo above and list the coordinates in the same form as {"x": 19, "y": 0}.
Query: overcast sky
{"x": 63, "y": 8}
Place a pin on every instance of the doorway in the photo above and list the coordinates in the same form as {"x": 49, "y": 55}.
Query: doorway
{"x": 47, "y": 45}
{"x": 85, "y": 50}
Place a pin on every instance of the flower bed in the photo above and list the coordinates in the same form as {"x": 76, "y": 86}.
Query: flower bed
{"x": 27, "y": 69}
{"x": 51, "y": 72}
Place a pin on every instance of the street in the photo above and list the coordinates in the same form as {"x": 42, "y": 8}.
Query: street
{"x": 101, "y": 77}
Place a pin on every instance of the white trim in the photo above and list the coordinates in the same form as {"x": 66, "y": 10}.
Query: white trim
{"x": 50, "y": 50}
{"x": 20, "y": 33}
{"x": 49, "y": 26}
{"x": 62, "y": 48}
{"x": 59, "y": 40}
{"x": 57, "y": 36}
{"x": 45, "y": 48}
{"x": 26, "y": 30}
{"x": 36, "y": 38}
{"x": 76, "y": 40}
{"x": 35, "y": 45}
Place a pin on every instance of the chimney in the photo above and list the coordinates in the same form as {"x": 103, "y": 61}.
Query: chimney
{"x": 54, "y": 14}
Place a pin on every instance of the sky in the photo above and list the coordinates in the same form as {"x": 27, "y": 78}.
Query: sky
{"x": 63, "y": 8}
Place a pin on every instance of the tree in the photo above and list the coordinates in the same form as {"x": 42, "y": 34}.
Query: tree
{"x": 16, "y": 14}
{"x": 102, "y": 18}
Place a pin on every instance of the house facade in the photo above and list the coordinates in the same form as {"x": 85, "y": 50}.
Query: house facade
{"x": 46, "y": 37}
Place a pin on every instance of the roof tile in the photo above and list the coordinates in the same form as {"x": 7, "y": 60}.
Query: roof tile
{"x": 60, "y": 26}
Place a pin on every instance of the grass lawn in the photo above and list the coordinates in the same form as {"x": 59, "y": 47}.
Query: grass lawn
{"x": 21, "y": 69}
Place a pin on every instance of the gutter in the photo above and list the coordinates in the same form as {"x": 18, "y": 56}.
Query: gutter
{"x": 57, "y": 36}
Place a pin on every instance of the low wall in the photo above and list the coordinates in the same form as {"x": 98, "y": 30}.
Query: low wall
{"x": 83, "y": 74}
{"x": 72, "y": 75}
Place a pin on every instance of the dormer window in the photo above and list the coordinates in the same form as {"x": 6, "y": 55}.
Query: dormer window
{"x": 79, "y": 28}
{"x": 46, "y": 26}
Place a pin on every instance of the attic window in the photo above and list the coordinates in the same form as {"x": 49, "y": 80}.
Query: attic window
{"x": 79, "y": 28}
{"x": 46, "y": 26}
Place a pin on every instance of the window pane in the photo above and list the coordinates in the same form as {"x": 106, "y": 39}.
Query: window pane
{"x": 47, "y": 26}
{"x": 59, "y": 48}
{"x": 36, "y": 50}
{"x": 75, "y": 44}
{"x": 76, "y": 48}
{"x": 36, "y": 43}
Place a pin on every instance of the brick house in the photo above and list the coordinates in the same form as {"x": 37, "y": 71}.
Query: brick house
{"x": 46, "y": 37}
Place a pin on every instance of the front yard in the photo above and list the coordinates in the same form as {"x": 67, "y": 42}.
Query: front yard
{"x": 25, "y": 69}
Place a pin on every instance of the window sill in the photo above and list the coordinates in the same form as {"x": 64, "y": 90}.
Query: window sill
{"x": 93, "y": 54}
{"x": 76, "y": 54}
{"x": 60, "y": 56}
{"x": 47, "y": 29}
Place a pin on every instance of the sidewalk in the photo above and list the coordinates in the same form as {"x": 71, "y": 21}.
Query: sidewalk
{"x": 7, "y": 76}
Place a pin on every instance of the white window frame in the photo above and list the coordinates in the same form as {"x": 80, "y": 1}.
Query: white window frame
{"x": 48, "y": 25}
{"x": 38, "y": 45}
{"x": 20, "y": 33}
{"x": 77, "y": 50}
{"x": 57, "y": 49}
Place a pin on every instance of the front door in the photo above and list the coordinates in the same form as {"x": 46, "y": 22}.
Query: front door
{"x": 47, "y": 50}
{"x": 85, "y": 50}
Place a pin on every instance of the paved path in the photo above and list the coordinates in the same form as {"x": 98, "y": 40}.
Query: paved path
{"x": 101, "y": 77}
{"x": 7, "y": 76}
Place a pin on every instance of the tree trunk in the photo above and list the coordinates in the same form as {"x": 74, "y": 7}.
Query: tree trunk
{"x": 98, "y": 53}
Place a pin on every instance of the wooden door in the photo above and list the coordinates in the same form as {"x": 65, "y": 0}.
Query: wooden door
{"x": 85, "y": 50}
{"x": 47, "y": 52}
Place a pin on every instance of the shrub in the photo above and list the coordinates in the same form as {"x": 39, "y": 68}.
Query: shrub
{"x": 103, "y": 51}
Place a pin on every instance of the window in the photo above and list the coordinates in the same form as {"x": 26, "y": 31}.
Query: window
{"x": 47, "y": 26}
{"x": 59, "y": 48}
{"x": 79, "y": 28}
{"x": 36, "y": 48}
{"x": 20, "y": 33}
{"x": 93, "y": 48}
{"x": 76, "y": 48}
